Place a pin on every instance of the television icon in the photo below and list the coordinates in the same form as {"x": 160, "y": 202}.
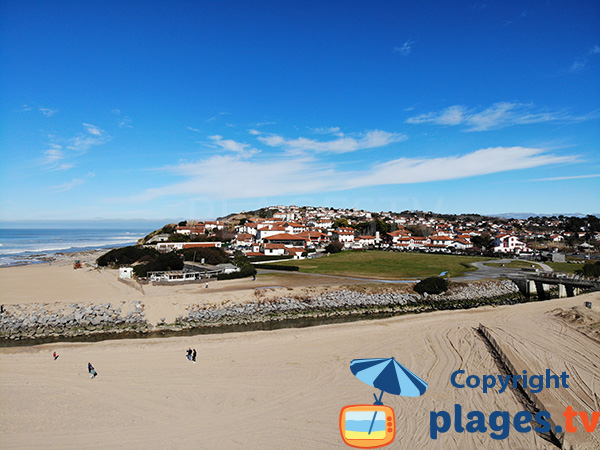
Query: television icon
{"x": 367, "y": 426}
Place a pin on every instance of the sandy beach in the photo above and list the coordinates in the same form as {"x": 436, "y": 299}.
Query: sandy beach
{"x": 58, "y": 283}
{"x": 274, "y": 389}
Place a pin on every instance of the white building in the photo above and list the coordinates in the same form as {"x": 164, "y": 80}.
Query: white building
{"x": 126, "y": 272}
{"x": 507, "y": 243}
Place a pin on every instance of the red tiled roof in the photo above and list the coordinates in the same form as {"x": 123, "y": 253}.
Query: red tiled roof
{"x": 397, "y": 233}
{"x": 312, "y": 234}
{"x": 285, "y": 237}
{"x": 199, "y": 244}
{"x": 274, "y": 246}
{"x": 274, "y": 228}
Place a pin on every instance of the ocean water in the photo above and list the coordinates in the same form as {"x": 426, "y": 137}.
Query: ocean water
{"x": 28, "y": 246}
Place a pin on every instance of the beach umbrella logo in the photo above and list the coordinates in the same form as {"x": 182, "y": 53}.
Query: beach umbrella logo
{"x": 373, "y": 426}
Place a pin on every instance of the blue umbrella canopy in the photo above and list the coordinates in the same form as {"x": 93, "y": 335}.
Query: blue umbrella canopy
{"x": 389, "y": 376}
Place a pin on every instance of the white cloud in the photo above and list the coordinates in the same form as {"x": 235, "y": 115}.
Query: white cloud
{"x": 93, "y": 129}
{"x": 60, "y": 149}
{"x": 481, "y": 162}
{"x": 232, "y": 176}
{"x": 68, "y": 185}
{"x": 243, "y": 150}
{"x": 82, "y": 142}
{"x": 405, "y": 48}
{"x": 573, "y": 177}
{"x": 216, "y": 116}
{"x": 499, "y": 115}
{"x": 578, "y": 65}
{"x": 124, "y": 121}
{"x": 582, "y": 62}
{"x": 53, "y": 154}
{"x": 370, "y": 139}
{"x": 254, "y": 132}
{"x": 328, "y": 130}
{"x": 52, "y": 159}
{"x": 73, "y": 183}
{"x": 48, "y": 112}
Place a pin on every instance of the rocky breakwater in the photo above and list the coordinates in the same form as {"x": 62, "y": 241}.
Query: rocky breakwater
{"x": 348, "y": 302}
{"x": 39, "y": 321}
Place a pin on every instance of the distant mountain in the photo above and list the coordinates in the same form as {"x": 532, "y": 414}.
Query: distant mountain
{"x": 527, "y": 215}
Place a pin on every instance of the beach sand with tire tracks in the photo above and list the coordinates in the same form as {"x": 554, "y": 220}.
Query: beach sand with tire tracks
{"x": 284, "y": 389}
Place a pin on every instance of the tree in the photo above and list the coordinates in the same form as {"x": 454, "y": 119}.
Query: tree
{"x": 164, "y": 262}
{"x": 126, "y": 256}
{"x": 590, "y": 269}
{"x": 483, "y": 241}
{"x": 334, "y": 247}
{"x": 179, "y": 237}
{"x": 419, "y": 230}
{"x": 431, "y": 285}
{"x": 210, "y": 255}
{"x": 241, "y": 260}
{"x": 342, "y": 222}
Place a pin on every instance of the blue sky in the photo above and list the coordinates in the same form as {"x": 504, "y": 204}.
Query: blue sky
{"x": 194, "y": 109}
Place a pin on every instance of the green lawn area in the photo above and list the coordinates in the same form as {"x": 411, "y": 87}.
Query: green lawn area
{"x": 564, "y": 267}
{"x": 385, "y": 265}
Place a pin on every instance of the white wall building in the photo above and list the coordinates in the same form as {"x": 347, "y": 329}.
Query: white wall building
{"x": 507, "y": 243}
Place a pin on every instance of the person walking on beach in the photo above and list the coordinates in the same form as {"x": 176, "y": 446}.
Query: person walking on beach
{"x": 92, "y": 371}
{"x": 194, "y": 356}
{"x": 55, "y": 355}
{"x": 189, "y": 354}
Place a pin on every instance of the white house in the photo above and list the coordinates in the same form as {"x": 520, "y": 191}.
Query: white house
{"x": 345, "y": 236}
{"x": 461, "y": 244}
{"x": 214, "y": 225}
{"x": 441, "y": 239}
{"x": 268, "y": 231}
{"x": 248, "y": 228}
{"x": 274, "y": 249}
{"x": 364, "y": 241}
{"x": 508, "y": 243}
{"x": 294, "y": 227}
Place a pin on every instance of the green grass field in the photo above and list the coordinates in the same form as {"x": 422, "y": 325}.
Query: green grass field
{"x": 564, "y": 266}
{"x": 385, "y": 265}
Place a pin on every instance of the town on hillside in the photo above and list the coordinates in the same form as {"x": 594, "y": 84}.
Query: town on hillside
{"x": 299, "y": 232}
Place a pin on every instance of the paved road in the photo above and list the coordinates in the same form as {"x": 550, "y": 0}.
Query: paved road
{"x": 486, "y": 272}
